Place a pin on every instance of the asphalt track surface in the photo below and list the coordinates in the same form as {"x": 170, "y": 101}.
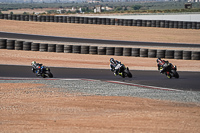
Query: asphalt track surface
{"x": 96, "y": 41}
{"x": 187, "y": 81}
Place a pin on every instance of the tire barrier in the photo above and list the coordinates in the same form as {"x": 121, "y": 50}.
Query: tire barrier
{"x": 77, "y": 20}
{"x": 178, "y": 54}
{"x": 139, "y": 22}
{"x": 101, "y": 50}
{"x": 148, "y": 23}
{"x": 198, "y": 25}
{"x": 112, "y": 21}
{"x": 51, "y": 47}
{"x": 93, "y": 50}
{"x": 160, "y": 53}
{"x": 171, "y": 24}
{"x": 153, "y": 23}
{"x": 166, "y": 24}
{"x": 76, "y": 49}
{"x": 189, "y": 25}
{"x": 59, "y": 48}
{"x": 175, "y": 24}
{"x": 169, "y": 54}
{"x": 3, "y": 43}
{"x": 43, "y": 47}
{"x": 152, "y": 53}
{"x": 162, "y": 23}
{"x": 85, "y": 20}
{"x": 18, "y": 45}
{"x": 110, "y": 50}
{"x": 72, "y": 19}
{"x": 118, "y": 51}
{"x": 47, "y": 18}
{"x": 27, "y": 46}
{"x": 180, "y": 24}
{"x": 10, "y": 44}
{"x": 94, "y": 20}
{"x": 34, "y": 18}
{"x": 184, "y": 25}
{"x": 157, "y": 23}
{"x": 127, "y": 51}
{"x": 186, "y": 55}
{"x": 144, "y": 23}
{"x": 1, "y": 16}
{"x": 195, "y": 55}
{"x": 107, "y": 21}
{"x": 104, "y": 21}
{"x": 68, "y": 48}
{"x": 5, "y": 16}
{"x": 143, "y": 52}
{"x": 35, "y": 46}
{"x": 85, "y": 49}
{"x": 134, "y": 22}
{"x": 135, "y": 52}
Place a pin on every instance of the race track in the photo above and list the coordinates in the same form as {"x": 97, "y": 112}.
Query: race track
{"x": 187, "y": 80}
{"x": 92, "y": 41}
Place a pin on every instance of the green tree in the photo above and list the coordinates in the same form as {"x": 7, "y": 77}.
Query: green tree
{"x": 136, "y": 7}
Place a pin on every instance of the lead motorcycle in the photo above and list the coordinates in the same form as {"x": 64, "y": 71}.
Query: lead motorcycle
{"x": 171, "y": 71}
{"x": 124, "y": 71}
{"x": 45, "y": 72}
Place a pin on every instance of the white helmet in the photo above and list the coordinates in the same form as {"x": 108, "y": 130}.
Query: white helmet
{"x": 33, "y": 62}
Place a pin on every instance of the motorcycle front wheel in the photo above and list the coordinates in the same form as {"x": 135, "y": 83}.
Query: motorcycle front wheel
{"x": 176, "y": 75}
{"x": 128, "y": 73}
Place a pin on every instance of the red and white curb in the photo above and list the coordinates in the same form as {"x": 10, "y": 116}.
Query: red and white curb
{"x": 143, "y": 86}
{"x": 115, "y": 82}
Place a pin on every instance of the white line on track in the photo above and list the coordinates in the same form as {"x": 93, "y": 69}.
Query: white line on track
{"x": 144, "y": 86}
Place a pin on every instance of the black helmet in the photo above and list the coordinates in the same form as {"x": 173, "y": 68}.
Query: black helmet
{"x": 158, "y": 59}
{"x": 112, "y": 61}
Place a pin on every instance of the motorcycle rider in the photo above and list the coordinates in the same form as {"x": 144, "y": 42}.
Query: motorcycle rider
{"x": 36, "y": 67}
{"x": 162, "y": 65}
{"x": 114, "y": 66}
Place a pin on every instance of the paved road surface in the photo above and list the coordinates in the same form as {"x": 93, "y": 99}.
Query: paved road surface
{"x": 187, "y": 80}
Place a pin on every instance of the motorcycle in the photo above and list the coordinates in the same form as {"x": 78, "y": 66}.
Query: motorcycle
{"x": 124, "y": 71}
{"x": 171, "y": 71}
{"x": 45, "y": 72}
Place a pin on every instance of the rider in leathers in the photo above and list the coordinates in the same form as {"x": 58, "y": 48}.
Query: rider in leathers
{"x": 162, "y": 65}
{"x": 36, "y": 67}
{"x": 114, "y": 66}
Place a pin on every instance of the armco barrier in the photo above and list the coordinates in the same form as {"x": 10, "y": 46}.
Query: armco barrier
{"x": 86, "y": 49}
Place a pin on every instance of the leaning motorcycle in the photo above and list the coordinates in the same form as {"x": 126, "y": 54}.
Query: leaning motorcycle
{"x": 124, "y": 71}
{"x": 171, "y": 71}
{"x": 45, "y": 72}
